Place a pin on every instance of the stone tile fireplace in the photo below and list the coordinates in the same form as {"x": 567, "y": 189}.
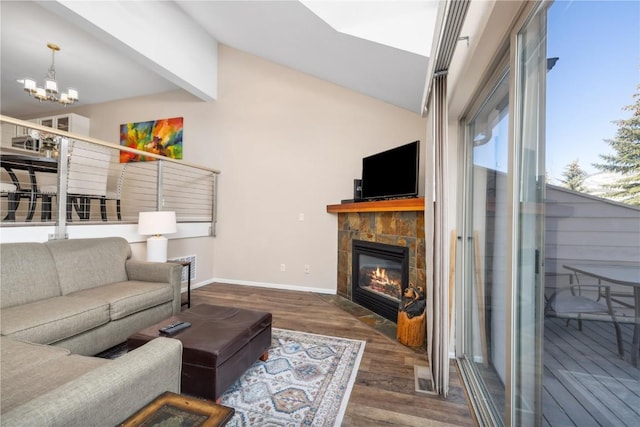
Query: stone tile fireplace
{"x": 392, "y": 223}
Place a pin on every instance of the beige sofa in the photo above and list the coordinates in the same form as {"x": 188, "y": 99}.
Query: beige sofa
{"x": 64, "y": 300}
{"x": 47, "y": 386}
{"x": 85, "y": 295}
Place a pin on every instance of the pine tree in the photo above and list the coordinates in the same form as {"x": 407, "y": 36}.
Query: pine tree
{"x": 547, "y": 178}
{"x": 574, "y": 176}
{"x": 626, "y": 160}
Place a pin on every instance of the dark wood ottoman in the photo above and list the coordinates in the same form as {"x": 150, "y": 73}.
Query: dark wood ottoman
{"x": 221, "y": 344}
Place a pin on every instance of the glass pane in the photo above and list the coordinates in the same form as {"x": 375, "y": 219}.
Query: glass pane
{"x": 381, "y": 276}
{"x": 592, "y": 218}
{"x": 529, "y": 191}
{"x": 63, "y": 123}
{"x": 47, "y": 122}
{"x": 486, "y": 327}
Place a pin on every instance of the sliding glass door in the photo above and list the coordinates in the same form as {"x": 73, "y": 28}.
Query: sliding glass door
{"x": 503, "y": 235}
{"x": 524, "y": 406}
{"x": 485, "y": 242}
{"x": 565, "y": 224}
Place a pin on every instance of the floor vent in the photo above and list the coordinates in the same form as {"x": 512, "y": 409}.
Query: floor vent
{"x": 422, "y": 376}
{"x": 185, "y": 271}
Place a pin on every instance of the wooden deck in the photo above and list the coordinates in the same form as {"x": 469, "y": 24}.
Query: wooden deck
{"x": 586, "y": 383}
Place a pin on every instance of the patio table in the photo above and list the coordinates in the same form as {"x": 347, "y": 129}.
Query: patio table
{"x": 623, "y": 274}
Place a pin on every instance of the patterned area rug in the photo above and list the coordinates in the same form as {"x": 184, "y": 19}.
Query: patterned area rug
{"x": 306, "y": 381}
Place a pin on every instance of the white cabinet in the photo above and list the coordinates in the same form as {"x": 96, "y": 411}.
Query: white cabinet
{"x": 73, "y": 123}
{"x": 7, "y": 132}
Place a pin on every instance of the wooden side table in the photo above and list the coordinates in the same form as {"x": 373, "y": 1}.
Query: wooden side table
{"x": 171, "y": 406}
{"x": 188, "y": 265}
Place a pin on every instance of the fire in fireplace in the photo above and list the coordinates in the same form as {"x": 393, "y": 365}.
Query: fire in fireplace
{"x": 385, "y": 281}
{"x": 380, "y": 274}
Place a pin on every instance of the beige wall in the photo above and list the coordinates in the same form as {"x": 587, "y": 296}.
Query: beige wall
{"x": 287, "y": 144}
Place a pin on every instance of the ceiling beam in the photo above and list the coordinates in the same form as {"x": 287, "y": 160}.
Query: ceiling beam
{"x": 157, "y": 35}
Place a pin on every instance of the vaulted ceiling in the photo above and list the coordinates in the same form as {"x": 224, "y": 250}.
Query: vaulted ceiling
{"x": 115, "y": 50}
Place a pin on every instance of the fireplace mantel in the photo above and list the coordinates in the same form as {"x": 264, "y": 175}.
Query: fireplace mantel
{"x": 396, "y": 205}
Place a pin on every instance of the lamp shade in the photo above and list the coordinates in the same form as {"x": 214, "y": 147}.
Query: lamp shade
{"x": 157, "y": 222}
{"x": 73, "y": 94}
{"x": 29, "y": 85}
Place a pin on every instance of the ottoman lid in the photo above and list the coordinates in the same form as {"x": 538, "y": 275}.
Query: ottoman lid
{"x": 216, "y": 332}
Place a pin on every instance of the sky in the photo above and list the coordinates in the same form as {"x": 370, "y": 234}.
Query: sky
{"x": 598, "y": 71}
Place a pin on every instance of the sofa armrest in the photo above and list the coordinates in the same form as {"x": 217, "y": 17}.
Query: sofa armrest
{"x": 163, "y": 272}
{"x": 110, "y": 393}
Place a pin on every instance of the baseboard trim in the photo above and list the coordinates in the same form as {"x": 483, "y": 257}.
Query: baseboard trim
{"x": 271, "y": 286}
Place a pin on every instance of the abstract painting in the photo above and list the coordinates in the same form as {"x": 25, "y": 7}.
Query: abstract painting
{"x": 163, "y": 137}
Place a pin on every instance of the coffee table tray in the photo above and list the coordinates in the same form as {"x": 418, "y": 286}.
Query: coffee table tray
{"x": 171, "y": 408}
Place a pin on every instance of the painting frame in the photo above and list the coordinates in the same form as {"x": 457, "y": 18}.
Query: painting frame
{"x": 162, "y": 137}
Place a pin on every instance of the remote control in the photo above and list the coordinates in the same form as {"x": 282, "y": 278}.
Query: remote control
{"x": 174, "y": 328}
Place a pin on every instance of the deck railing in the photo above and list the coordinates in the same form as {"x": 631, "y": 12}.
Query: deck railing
{"x": 40, "y": 189}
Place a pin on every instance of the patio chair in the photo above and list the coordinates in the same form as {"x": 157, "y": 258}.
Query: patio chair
{"x": 572, "y": 302}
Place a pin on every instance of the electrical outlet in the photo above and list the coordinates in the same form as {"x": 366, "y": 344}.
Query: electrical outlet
{"x": 283, "y": 267}
{"x": 307, "y": 269}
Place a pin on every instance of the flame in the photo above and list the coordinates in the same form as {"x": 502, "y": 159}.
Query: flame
{"x": 381, "y": 273}
{"x": 380, "y": 281}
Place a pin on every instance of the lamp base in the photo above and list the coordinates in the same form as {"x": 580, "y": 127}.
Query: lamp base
{"x": 157, "y": 249}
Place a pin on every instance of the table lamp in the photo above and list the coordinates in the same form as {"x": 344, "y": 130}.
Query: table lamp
{"x": 155, "y": 224}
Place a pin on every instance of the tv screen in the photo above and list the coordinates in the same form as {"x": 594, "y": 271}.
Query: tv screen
{"x": 392, "y": 173}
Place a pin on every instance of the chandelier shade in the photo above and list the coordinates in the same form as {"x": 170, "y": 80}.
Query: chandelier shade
{"x": 49, "y": 92}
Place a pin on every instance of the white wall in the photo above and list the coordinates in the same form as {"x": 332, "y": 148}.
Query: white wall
{"x": 287, "y": 144}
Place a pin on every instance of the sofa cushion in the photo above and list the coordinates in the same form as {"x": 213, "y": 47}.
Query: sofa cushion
{"x": 27, "y": 274}
{"x": 51, "y": 320}
{"x": 87, "y": 263}
{"x": 129, "y": 297}
{"x": 19, "y": 356}
{"x": 29, "y": 370}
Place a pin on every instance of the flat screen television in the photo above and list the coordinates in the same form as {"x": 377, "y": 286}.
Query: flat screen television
{"x": 391, "y": 174}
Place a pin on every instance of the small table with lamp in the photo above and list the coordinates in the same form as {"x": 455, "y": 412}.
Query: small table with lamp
{"x": 157, "y": 223}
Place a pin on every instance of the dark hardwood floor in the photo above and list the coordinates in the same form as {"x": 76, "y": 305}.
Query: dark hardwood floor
{"x": 384, "y": 392}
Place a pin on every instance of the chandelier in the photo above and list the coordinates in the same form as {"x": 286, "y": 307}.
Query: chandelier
{"x": 50, "y": 90}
